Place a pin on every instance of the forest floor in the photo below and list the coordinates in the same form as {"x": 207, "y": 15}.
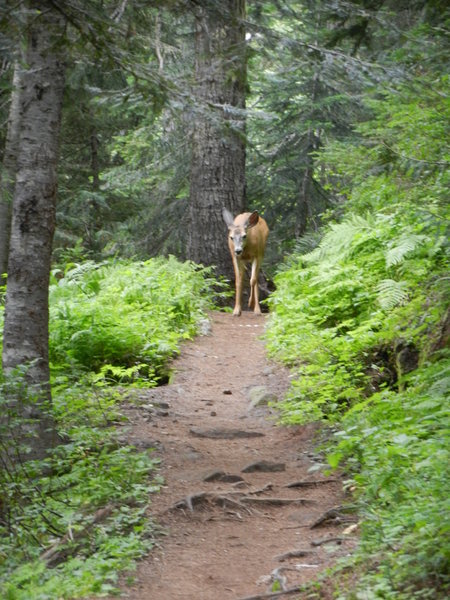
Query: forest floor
{"x": 242, "y": 505}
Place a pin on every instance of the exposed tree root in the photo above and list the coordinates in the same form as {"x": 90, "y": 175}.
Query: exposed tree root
{"x": 235, "y": 500}
{"x": 286, "y": 592}
{"x": 268, "y": 486}
{"x": 329, "y": 540}
{"x": 306, "y": 483}
{"x": 204, "y": 498}
{"x": 334, "y": 516}
{"x": 278, "y": 501}
{"x": 293, "y": 554}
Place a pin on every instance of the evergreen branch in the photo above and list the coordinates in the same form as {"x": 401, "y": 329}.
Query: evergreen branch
{"x": 441, "y": 163}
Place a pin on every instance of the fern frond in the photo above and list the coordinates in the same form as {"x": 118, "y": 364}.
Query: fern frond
{"x": 307, "y": 243}
{"x": 391, "y": 293}
{"x": 80, "y": 270}
{"x": 337, "y": 242}
{"x": 406, "y": 244}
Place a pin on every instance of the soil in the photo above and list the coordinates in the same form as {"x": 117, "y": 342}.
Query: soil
{"x": 225, "y": 510}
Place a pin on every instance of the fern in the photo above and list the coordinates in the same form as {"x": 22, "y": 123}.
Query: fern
{"x": 406, "y": 244}
{"x": 391, "y": 293}
{"x": 307, "y": 243}
{"x": 341, "y": 238}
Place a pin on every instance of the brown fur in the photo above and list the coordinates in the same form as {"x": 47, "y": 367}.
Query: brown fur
{"x": 247, "y": 239}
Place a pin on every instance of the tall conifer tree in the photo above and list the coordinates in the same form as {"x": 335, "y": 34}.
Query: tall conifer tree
{"x": 218, "y": 142}
{"x": 33, "y": 218}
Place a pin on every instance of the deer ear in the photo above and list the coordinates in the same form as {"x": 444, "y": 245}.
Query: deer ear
{"x": 253, "y": 219}
{"x": 227, "y": 217}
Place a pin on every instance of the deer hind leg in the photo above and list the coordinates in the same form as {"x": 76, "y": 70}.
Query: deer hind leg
{"x": 253, "y": 301}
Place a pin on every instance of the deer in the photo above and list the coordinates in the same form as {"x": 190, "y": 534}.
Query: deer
{"x": 247, "y": 239}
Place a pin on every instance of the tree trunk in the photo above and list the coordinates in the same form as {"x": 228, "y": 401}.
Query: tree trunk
{"x": 33, "y": 218}
{"x": 218, "y": 144}
{"x": 305, "y": 208}
{"x": 8, "y": 173}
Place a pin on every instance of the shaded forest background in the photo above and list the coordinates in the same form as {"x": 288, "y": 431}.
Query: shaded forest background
{"x": 130, "y": 107}
{"x": 331, "y": 119}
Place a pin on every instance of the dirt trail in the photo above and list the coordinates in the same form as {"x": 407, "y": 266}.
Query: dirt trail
{"x": 227, "y": 528}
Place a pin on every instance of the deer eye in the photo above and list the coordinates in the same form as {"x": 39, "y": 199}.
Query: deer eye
{"x": 231, "y": 237}
{"x": 244, "y": 235}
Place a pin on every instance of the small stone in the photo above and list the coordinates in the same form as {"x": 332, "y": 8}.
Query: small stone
{"x": 264, "y": 466}
{"x": 227, "y": 392}
{"x": 229, "y": 478}
{"x": 260, "y": 396}
{"x": 213, "y": 413}
{"x": 204, "y": 327}
{"x": 222, "y": 476}
{"x": 214, "y": 476}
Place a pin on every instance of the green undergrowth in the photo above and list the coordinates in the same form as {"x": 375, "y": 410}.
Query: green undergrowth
{"x": 123, "y": 320}
{"x": 362, "y": 321}
{"x": 70, "y": 524}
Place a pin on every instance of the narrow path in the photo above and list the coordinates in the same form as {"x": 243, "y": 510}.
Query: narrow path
{"x": 228, "y": 523}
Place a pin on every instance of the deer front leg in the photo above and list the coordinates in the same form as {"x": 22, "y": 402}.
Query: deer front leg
{"x": 239, "y": 277}
{"x": 253, "y": 301}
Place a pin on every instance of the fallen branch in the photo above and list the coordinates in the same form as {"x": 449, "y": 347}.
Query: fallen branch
{"x": 59, "y": 552}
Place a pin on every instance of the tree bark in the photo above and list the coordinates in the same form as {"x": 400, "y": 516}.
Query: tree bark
{"x": 8, "y": 173}
{"x": 33, "y": 219}
{"x": 218, "y": 143}
{"x": 305, "y": 209}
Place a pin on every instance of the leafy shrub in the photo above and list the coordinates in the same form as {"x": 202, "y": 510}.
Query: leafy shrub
{"x": 362, "y": 320}
{"x": 378, "y": 279}
{"x": 85, "y": 503}
{"x": 124, "y": 319}
{"x": 396, "y": 447}
{"x": 71, "y": 522}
